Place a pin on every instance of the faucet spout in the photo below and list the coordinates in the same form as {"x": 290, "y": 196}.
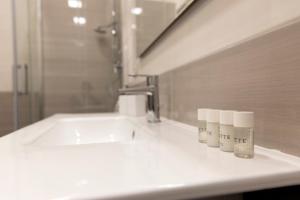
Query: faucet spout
{"x": 152, "y": 93}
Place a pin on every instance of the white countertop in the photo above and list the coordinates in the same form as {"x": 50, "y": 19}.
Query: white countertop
{"x": 164, "y": 161}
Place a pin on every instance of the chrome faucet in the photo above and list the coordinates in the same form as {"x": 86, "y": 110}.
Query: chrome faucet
{"x": 152, "y": 92}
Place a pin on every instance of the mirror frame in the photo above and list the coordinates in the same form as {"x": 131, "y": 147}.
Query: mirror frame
{"x": 183, "y": 10}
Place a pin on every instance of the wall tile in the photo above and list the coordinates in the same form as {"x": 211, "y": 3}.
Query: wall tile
{"x": 261, "y": 75}
{"x": 6, "y": 117}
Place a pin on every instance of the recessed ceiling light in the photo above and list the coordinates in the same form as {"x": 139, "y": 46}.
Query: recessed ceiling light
{"x": 79, "y": 20}
{"x": 136, "y": 10}
{"x": 75, "y": 3}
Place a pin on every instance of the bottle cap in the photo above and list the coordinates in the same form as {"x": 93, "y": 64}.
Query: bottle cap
{"x": 212, "y": 115}
{"x": 243, "y": 119}
{"x": 226, "y": 117}
{"x": 202, "y": 114}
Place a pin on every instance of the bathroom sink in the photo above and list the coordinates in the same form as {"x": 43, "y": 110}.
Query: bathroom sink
{"x": 78, "y": 131}
{"x": 115, "y": 157}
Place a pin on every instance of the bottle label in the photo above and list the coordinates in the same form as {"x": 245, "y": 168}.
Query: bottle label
{"x": 226, "y": 137}
{"x": 243, "y": 141}
{"x": 240, "y": 140}
{"x": 202, "y": 131}
{"x": 213, "y": 134}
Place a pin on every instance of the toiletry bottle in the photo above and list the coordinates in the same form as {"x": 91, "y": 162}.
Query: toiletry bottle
{"x": 226, "y": 130}
{"x": 243, "y": 123}
{"x": 202, "y": 125}
{"x": 212, "y": 128}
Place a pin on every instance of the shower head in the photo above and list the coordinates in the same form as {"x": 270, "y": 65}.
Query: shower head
{"x": 100, "y": 30}
{"x": 104, "y": 28}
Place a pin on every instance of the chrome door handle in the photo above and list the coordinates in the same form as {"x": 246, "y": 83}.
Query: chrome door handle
{"x": 26, "y": 92}
{"x": 23, "y": 84}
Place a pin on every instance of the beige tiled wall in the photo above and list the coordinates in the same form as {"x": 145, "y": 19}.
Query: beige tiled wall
{"x": 261, "y": 75}
{"x": 6, "y": 110}
{"x": 78, "y": 70}
{"x": 6, "y": 116}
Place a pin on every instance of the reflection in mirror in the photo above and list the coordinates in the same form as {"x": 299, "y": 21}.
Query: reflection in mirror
{"x": 153, "y": 17}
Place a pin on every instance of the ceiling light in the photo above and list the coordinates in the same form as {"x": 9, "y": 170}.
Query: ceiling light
{"x": 75, "y": 3}
{"x": 136, "y": 11}
{"x": 79, "y": 20}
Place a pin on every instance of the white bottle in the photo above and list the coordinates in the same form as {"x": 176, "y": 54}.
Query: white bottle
{"x": 212, "y": 127}
{"x": 202, "y": 125}
{"x": 243, "y": 123}
{"x": 226, "y": 130}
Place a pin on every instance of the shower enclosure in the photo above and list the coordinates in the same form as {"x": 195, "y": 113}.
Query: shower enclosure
{"x": 67, "y": 58}
{"x": 79, "y": 75}
{"x": 27, "y": 63}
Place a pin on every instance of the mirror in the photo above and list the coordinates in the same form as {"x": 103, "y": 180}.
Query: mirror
{"x": 153, "y": 17}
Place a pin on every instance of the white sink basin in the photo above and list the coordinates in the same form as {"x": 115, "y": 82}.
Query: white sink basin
{"x": 77, "y": 131}
{"x": 95, "y": 156}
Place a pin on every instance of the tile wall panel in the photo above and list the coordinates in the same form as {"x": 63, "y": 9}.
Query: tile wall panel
{"x": 6, "y": 114}
{"x": 261, "y": 75}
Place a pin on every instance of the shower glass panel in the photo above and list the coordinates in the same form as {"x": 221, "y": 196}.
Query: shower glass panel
{"x": 79, "y": 75}
{"x": 66, "y": 59}
{"x": 6, "y": 62}
{"x": 26, "y": 64}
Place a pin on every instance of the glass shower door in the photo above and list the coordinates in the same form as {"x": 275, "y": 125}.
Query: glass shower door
{"x": 25, "y": 61}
